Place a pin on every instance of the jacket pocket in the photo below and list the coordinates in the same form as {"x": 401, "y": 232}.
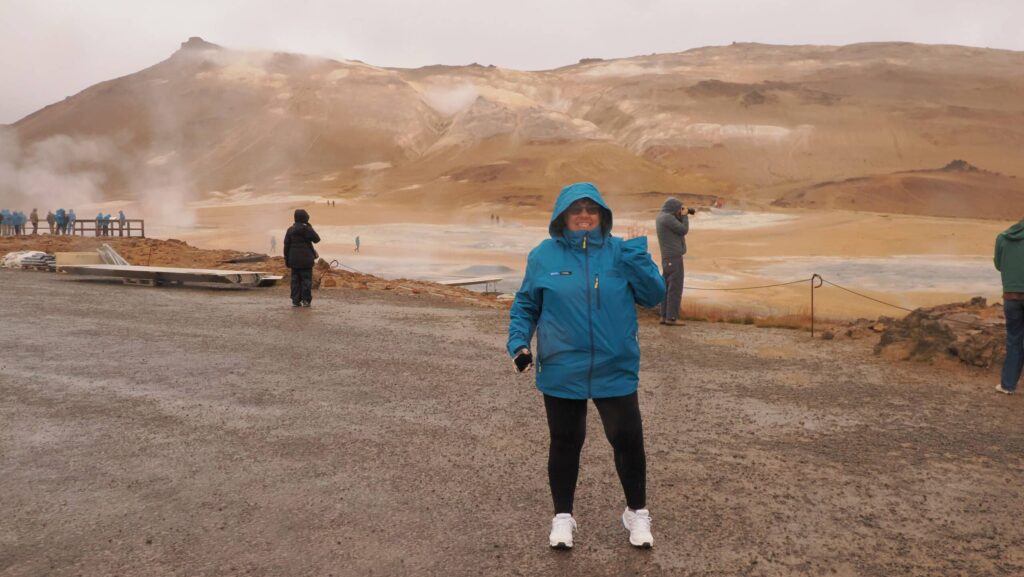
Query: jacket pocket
{"x": 551, "y": 340}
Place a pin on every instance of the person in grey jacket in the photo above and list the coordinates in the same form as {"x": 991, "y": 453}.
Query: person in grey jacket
{"x": 672, "y": 223}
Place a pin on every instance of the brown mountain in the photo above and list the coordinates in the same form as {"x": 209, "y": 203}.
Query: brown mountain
{"x": 956, "y": 190}
{"x": 746, "y": 120}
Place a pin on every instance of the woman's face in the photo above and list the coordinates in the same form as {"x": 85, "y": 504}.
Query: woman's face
{"x": 584, "y": 214}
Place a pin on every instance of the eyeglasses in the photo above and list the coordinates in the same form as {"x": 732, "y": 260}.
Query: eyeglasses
{"x": 575, "y": 209}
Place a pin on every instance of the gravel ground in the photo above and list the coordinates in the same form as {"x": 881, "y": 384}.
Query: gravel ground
{"x": 191, "y": 431}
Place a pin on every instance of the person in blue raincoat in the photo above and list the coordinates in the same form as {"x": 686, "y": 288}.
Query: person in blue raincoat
{"x": 62, "y": 221}
{"x": 579, "y": 296}
{"x": 72, "y": 217}
{"x": 99, "y": 224}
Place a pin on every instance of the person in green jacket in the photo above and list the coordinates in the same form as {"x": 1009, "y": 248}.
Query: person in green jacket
{"x": 1009, "y": 261}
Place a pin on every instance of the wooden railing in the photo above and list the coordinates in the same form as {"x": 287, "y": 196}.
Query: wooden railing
{"x": 130, "y": 227}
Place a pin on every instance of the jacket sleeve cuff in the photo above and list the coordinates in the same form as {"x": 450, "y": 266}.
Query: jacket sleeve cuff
{"x": 516, "y": 345}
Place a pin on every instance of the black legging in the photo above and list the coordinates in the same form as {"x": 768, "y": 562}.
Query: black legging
{"x": 567, "y": 422}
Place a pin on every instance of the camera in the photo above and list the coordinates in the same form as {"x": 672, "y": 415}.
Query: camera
{"x": 691, "y": 211}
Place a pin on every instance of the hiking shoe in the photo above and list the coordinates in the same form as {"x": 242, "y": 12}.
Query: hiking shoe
{"x": 296, "y": 305}
{"x": 638, "y": 523}
{"x": 999, "y": 388}
{"x": 562, "y": 528}
{"x": 673, "y": 323}
{"x": 305, "y": 304}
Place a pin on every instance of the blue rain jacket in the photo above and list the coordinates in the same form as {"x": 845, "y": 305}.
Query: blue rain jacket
{"x": 60, "y": 216}
{"x": 579, "y": 295}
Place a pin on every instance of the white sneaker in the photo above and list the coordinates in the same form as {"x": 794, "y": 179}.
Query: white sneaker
{"x": 562, "y": 528}
{"x": 1000, "y": 388}
{"x": 638, "y": 523}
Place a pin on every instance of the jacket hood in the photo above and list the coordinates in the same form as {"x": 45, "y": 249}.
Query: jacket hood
{"x": 1015, "y": 232}
{"x": 301, "y": 215}
{"x": 672, "y": 205}
{"x": 571, "y": 194}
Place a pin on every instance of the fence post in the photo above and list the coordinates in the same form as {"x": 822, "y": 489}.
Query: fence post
{"x": 814, "y": 277}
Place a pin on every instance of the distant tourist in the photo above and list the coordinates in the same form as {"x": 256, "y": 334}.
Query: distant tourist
{"x": 300, "y": 256}
{"x": 120, "y": 223}
{"x": 34, "y": 219}
{"x": 672, "y": 224}
{"x": 1009, "y": 261}
{"x": 3, "y": 222}
{"x": 273, "y": 244}
{"x": 99, "y": 224}
{"x": 107, "y": 219}
{"x": 581, "y": 287}
{"x": 357, "y": 244}
{"x": 51, "y": 220}
{"x": 72, "y": 217}
{"x": 62, "y": 221}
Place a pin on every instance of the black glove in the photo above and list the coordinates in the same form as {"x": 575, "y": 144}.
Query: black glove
{"x": 523, "y": 361}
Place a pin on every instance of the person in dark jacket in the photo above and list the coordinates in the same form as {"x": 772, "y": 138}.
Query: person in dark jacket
{"x": 299, "y": 255}
{"x": 1009, "y": 261}
{"x": 579, "y": 295}
{"x": 672, "y": 224}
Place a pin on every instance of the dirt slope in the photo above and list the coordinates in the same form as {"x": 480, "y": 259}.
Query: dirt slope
{"x": 957, "y": 190}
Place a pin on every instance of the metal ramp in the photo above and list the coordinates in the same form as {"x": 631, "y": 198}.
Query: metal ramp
{"x": 490, "y": 282}
{"x": 111, "y": 256}
{"x": 158, "y": 276}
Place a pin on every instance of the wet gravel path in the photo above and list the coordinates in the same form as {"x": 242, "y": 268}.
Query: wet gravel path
{"x": 214, "y": 432}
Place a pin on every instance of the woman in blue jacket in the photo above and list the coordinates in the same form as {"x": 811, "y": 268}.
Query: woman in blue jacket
{"x": 579, "y": 295}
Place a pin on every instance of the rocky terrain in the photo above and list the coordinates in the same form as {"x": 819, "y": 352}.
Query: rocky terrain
{"x": 971, "y": 333}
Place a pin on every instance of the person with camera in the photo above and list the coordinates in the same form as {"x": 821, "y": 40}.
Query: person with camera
{"x": 300, "y": 256}
{"x": 672, "y": 224}
{"x": 579, "y": 296}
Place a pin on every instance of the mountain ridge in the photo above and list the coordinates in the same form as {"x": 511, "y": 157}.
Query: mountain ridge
{"x": 740, "y": 120}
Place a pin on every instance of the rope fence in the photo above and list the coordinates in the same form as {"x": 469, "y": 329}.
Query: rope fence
{"x": 817, "y": 281}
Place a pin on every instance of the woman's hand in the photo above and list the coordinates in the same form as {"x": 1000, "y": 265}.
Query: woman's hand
{"x": 523, "y": 360}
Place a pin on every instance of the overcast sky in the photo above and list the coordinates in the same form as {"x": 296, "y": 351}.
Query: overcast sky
{"x": 50, "y": 49}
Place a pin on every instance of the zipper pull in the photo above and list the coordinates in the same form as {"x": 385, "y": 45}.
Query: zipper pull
{"x": 584, "y": 243}
{"x": 597, "y": 282}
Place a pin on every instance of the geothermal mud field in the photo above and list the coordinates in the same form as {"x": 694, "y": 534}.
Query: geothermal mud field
{"x": 211, "y": 432}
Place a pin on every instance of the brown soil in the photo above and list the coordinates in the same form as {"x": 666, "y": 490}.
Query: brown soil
{"x": 175, "y": 253}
